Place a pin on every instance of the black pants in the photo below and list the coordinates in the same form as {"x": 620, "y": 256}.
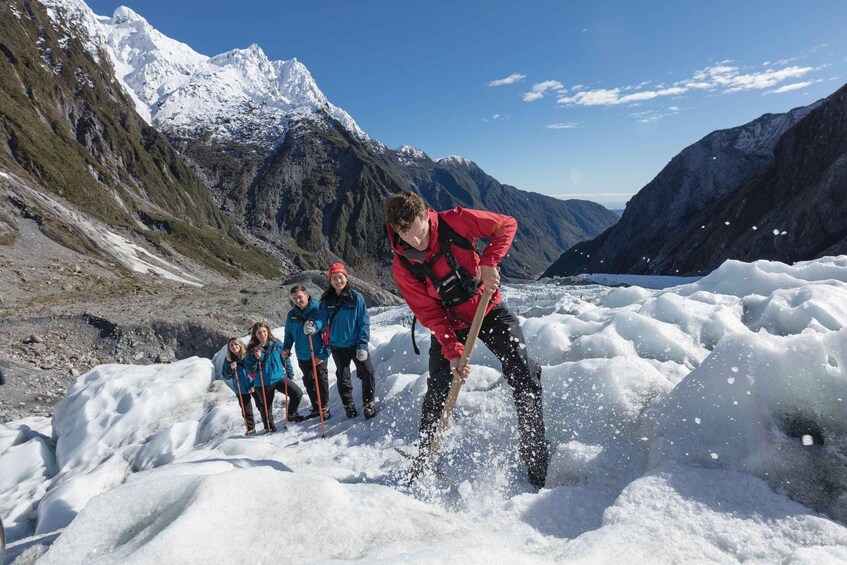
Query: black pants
{"x": 268, "y": 392}
{"x": 245, "y": 401}
{"x": 502, "y": 334}
{"x": 365, "y": 370}
{"x": 309, "y": 382}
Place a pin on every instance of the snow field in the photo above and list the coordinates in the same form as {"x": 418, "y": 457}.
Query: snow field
{"x": 700, "y": 423}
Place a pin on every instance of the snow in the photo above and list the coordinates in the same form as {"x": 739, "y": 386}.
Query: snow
{"x": 128, "y": 254}
{"x": 703, "y": 422}
{"x": 239, "y": 95}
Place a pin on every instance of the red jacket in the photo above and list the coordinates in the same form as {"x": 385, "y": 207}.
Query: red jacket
{"x": 422, "y": 297}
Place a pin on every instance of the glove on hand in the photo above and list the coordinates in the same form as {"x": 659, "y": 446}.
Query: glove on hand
{"x": 309, "y": 328}
{"x": 362, "y": 354}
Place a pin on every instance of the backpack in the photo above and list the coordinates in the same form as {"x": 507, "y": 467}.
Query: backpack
{"x": 457, "y": 287}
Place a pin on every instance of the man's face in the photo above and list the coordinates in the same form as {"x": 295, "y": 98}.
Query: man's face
{"x": 418, "y": 234}
{"x": 300, "y": 298}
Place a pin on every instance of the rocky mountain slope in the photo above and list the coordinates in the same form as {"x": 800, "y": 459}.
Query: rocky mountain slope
{"x": 724, "y": 196}
{"x": 295, "y": 172}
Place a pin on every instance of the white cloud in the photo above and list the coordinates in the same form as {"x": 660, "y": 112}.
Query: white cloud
{"x": 792, "y": 86}
{"x": 495, "y": 118}
{"x": 563, "y": 125}
{"x": 511, "y": 79}
{"x": 722, "y": 76}
{"x": 577, "y": 87}
{"x": 540, "y": 88}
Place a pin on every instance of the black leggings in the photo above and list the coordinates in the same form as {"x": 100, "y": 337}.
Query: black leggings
{"x": 294, "y": 396}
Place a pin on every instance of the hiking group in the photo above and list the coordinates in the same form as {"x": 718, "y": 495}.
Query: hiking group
{"x": 444, "y": 280}
{"x": 338, "y": 324}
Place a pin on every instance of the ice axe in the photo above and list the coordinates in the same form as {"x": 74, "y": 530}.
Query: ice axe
{"x": 420, "y": 461}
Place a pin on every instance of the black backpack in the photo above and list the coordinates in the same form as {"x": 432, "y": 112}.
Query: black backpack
{"x": 457, "y": 287}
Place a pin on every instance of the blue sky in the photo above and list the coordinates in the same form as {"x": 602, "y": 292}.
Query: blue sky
{"x": 573, "y": 99}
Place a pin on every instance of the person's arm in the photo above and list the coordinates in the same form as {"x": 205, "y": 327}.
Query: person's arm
{"x": 288, "y": 341}
{"x": 227, "y": 371}
{"x": 363, "y": 321}
{"x": 289, "y": 368}
{"x": 499, "y": 229}
{"x": 428, "y": 310}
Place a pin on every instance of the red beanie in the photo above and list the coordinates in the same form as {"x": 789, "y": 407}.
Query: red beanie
{"x": 337, "y": 268}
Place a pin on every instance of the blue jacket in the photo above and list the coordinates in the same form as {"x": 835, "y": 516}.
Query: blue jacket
{"x": 274, "y": 367}
{"x": 245, "y": 379}
{"x": 294, "y": 332}
{"x": 350, "y": 326}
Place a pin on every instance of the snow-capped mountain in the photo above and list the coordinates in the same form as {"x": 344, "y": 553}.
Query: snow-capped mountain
{"x": 240, "y": 95}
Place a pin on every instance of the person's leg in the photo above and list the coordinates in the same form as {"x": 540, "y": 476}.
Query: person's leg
{"x": 342, "y": 357}
{"x": 437, "y": 388}
{"x": 365, "y": 371}
{"x": 269, "y": 394}
{"x": 295, "y": 395}
{"x": 309, "y": 381}
{"x": 323, "y": 383}
{"x": 246, "y": 404}
{"x": 502, "y": 334}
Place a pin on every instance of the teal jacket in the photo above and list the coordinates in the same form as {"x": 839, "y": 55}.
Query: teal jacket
{"x": 274, "y": 367}
{"x": 244, "y": 382}
{"x": 350, "y": 326}
{"x": 294, "y": 332}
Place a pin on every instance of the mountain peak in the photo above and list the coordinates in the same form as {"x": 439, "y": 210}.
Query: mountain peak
{"x": 412, "y": 152}
{"x": 456, "y": 159}
{"x": 124, "y": 15}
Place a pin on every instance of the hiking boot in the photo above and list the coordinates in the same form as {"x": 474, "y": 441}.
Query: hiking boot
{"x": 326, "y": 413}
{"x": 350, "y": 409}
{"x": 250, "y": 432}
{"x": 296, "y": 418}
{"x": 271, "y": 430}
{"x": 369, "y": 410}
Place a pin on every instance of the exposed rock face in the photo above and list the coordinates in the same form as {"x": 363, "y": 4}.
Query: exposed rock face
{"x": 76, "y": 152}
{"x": 722, "y": 197}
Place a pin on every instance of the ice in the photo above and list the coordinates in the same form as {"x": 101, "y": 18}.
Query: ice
{"x": 704, "y": 422}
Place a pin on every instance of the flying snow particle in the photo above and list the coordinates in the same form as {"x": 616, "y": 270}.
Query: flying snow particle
{"x": 714, "y": 455}
{"x": 807, "y": 440}
{"x": 697, "y": 421}
{"x": 730, "y": 380}
{"x": 776, "y": 232}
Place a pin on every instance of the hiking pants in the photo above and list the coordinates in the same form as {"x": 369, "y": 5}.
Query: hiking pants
{"x": 364, "y": 370}
{"x": 502, "y": 334}
{"x": 294, "y": 396}
{"x": 245, "y": 401}
{"x": 309, "y": 382}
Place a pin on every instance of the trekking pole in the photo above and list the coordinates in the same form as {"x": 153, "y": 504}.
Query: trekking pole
{"x": 241, "y": 402}
{"x": 265, "y": 400}
{"x": 420, "y": 461}
{"x": 317, "y": 386}
{"x": 285, "y": 377}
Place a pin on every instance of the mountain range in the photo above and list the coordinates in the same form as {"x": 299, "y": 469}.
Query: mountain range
{"x": 218, "y": 165}
{"x": 775, "y": 188}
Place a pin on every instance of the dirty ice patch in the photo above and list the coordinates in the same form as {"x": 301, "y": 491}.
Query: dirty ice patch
{"x": 774, "y": 406}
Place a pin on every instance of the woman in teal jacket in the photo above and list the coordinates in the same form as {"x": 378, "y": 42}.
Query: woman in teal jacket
{"x": 344, "y": 314}
{"x": 303, "y": 325}
{"x": 273, "y": 372}
{"x": 235, "y": 369}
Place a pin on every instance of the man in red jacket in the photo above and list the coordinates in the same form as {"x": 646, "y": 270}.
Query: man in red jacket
{"x": 441, "y": 277}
